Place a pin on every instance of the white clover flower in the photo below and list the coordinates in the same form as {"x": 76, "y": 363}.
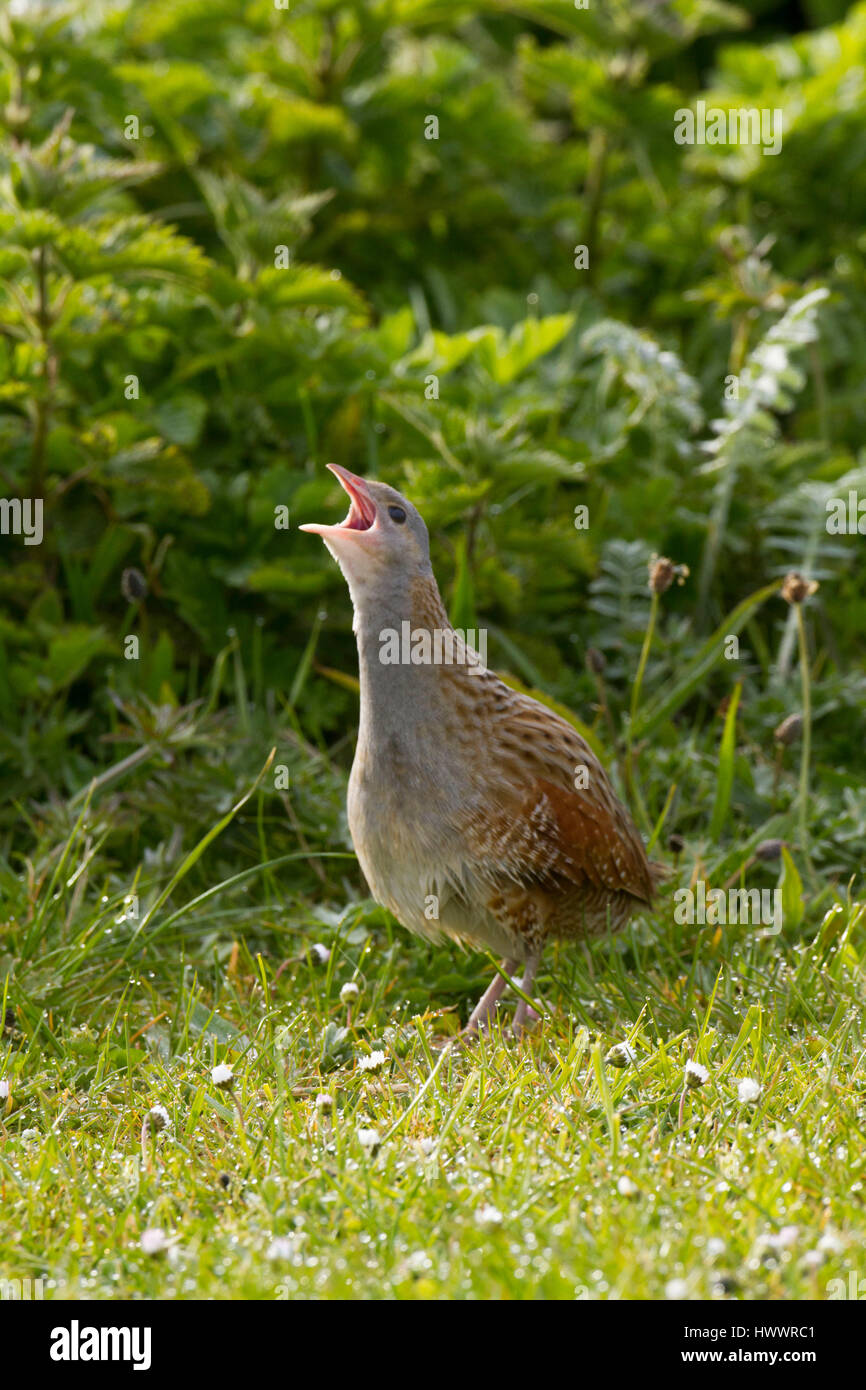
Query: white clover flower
{"x": 418, "y": 1261}
{"x": 349, "y": 992}
{"x": 489, "y": 1216}
{"x": 777, "y": 1240}
{"x": 786, "y": 1237}
{"x": 157, "y": 1118}
{"x": 324, "y": 1102}
{"x": 626, "y": 1188}
{"x": 322, "y": 952}
{"x": 154, "y": 1240}
{"x": 374, "y": 1062}
{"x": 427, "y": 1144}
{"x": 696, "y": 1074}
{"x": 748, "y": 1091}
{"x": 222, "y": 1076}
{"x": 285, "y": 1247}
{"x": 830, "y": 1244}
{"x": 369, "y": 1138}
{"x": 812, "y": 1259}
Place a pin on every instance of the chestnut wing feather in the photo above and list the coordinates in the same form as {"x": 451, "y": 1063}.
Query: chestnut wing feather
{"x": 540, "y": 826}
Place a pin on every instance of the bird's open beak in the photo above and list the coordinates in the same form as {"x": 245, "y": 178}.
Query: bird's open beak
{"x": 362, "y": 512}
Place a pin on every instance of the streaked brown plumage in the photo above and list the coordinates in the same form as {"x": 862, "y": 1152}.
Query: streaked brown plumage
{"x": 467, "y": 807}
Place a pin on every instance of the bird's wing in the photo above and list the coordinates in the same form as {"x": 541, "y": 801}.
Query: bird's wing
{"x": 548, "y": 811}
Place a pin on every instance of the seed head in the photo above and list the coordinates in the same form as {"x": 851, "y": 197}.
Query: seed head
{"x": 595, "y": 660}
{"x": 795, "y": 588}
{"x": 676, "y": 844}
{"x": 663, "y": 572}
{"x": 768, "y": 850}
{"x": 133, "y": 585}
{"x": 789, "y": 730}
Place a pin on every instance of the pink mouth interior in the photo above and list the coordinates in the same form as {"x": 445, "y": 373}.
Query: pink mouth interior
{"x": 362, "y": 512}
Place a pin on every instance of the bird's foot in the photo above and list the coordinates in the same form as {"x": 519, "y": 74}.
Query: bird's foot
{"x": 524, "y": 1011}
{"x": 485, "y": 1010}
{"x": 521, "y": 1019}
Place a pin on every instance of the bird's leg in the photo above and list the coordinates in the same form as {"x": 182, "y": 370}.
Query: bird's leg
{"x": 486, "y": 1007}
{"x": 523, "y": 1010}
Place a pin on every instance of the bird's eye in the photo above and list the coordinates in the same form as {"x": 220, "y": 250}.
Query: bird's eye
{"x": 397, "y": 514}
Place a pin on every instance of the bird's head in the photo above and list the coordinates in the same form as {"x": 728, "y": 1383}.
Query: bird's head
{"x": 382, "y": 545}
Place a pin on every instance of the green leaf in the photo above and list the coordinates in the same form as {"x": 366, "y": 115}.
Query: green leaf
{"x": 725, "y": 774}
{"x": 443, "y": 352}
{"x": 205, "y": 1023}
{"x": 71, "y": 652}
{"x": 505, "y": 358}
{"x": 180, "y": 418}
{"x": 792, "y": 892}
{"x": 308, "y": 286}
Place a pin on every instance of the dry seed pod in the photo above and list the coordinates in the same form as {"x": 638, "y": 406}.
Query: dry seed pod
{"x": 769, "y": 850}
{"x": 663, "y": 572}
{"x": 789, "y": 730}
{"x": 795, "y": 588}
{"x": 133, "y": 585}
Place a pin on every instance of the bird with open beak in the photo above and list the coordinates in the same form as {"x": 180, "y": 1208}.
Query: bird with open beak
{"x": 475, "y": 811}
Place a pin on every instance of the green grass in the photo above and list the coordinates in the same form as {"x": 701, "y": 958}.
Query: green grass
{"x": 501, "y": 1169}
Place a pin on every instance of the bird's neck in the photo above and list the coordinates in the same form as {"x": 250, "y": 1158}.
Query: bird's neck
{"x": 399, "y": 637}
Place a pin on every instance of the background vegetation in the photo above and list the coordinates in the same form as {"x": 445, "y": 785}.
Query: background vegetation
{"x": 228, "y": 255}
